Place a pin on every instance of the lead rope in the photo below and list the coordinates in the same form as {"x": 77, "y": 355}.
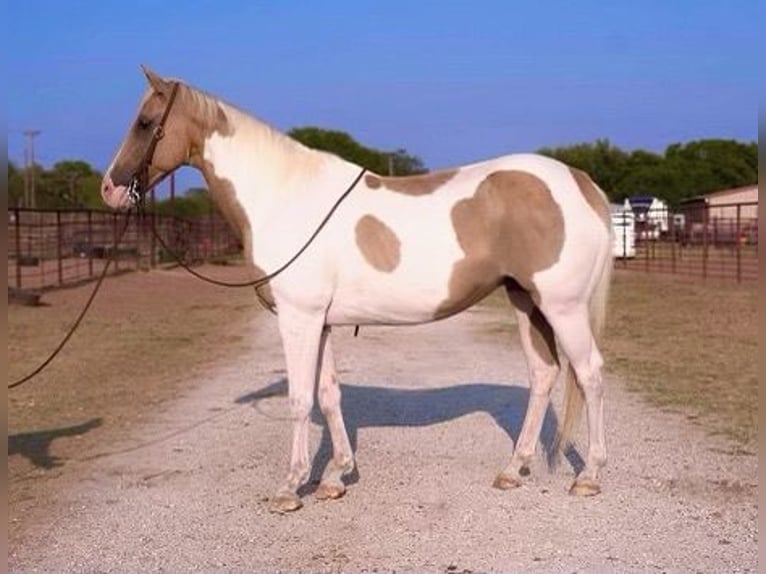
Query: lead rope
{"x": 261, "y": 281}
{"x": 256, "y": 284}
{"x": 80, "y": 317}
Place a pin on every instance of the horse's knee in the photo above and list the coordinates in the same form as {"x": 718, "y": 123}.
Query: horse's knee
{"x": 542, "y": 377}
{"x": 300, "y": 407}
{"x": 591, "y": 382}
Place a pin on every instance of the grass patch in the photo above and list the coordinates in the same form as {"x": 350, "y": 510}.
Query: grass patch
{"x": 145, "y": 336}
{"x": 687, "y": 345}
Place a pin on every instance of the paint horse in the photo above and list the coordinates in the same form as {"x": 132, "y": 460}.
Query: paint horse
{"x": 396, "y": 251}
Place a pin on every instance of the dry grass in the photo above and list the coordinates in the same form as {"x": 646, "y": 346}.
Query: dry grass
{"x": 684, "y": 344}
{"x": 145, "y": 335}
{"x": 688, "y": 345}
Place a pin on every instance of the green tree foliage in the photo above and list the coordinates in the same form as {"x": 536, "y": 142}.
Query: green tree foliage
{"x": 397, "y": 162}
{"x": 15, "y": 186}
{"x": 604, "y": 162}
{"x": 69, "y": 183}
{"x": 683, "y": 171}
{"x": 710, "y": 165}
{"x": 192, "y": 203}
{"x": 73, "y": 183}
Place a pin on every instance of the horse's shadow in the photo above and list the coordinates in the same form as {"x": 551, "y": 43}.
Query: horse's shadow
{"x": 373, "y": 406}
{"x": 35, "y": 446}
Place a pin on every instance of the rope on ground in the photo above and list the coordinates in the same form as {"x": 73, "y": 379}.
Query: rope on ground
{"x": 80, "y": 317}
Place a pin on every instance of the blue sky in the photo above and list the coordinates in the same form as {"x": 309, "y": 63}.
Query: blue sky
{"x": 452, "y": 82}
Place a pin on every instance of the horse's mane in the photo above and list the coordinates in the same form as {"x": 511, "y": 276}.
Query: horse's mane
{"x": 207, "y": 107}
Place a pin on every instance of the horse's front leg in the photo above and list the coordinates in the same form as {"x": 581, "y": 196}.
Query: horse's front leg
{"x": 301, "y": 333}
{"x": 342, "y": 463}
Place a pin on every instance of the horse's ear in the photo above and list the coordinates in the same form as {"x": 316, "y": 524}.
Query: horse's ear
{"x": 155, "y": 81}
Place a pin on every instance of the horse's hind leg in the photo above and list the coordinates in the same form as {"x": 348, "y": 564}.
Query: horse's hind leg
{"x": 342, "y": 462}
{"x": 573, "y": 330}
{"x": 301, "y": 335}
{"x": 542, "y": 362}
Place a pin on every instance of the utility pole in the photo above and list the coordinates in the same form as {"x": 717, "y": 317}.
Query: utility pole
{"x": 30, "y": 199}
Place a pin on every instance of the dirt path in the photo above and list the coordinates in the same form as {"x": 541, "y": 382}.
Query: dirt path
{"x": 432, "y": 411}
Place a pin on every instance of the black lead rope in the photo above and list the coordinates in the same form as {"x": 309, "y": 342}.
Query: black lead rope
{"x": 257, "y": 283}
{"x": 137, "y": 186}
{"x": 80, "y": 317}
{"x": 261, "y": 281}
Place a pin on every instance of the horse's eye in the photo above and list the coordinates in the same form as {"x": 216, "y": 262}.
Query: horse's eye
{"x": 144, "y": 123}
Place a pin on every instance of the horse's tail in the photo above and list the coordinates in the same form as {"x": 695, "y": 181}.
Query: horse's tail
{"x": 573, "y": 393}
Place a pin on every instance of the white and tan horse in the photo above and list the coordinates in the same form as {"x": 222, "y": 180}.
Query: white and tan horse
{"x": 398, "y": 251}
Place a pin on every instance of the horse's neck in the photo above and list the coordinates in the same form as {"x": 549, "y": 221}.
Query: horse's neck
{"x": 261, "y": 165}
{"x": 250, "y": 154}
{"x": 262, "y": 162}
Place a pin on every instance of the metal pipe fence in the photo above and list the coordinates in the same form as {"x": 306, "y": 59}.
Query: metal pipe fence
{"x": 56, "y": 248}
{"x": 706, "y": 241}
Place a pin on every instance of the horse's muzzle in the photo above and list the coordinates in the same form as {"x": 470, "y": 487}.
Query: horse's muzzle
{"x": 116, "y": 196}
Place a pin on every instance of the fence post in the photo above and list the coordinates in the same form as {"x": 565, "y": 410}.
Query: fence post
{"x": 17, "y": 218}
{"x": 114, "y": 242}
{"x": 624, "y": 238}
{"x": 90, "y": 243}
{"x": 646, "y": 247}
{"x": 212, "y": 235}
{"x": 672, "y": 233}
{"x": 705, "y": 232}
{"x": 59, "y": 253}
{"x": 152, "y": 232}
{"x": 738, "y": 246}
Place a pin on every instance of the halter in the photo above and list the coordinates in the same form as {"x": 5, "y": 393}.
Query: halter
{"x": 140, "y": 179}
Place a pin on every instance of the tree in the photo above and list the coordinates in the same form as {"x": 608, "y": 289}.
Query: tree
{"x": 69, "y": 183}
{"x": 73, "y": 183}
{"x": 194, "y": 201}
{"x": 710, "y": 165}
{"x": 604, "y": 162}
{"x": 683, "y": 171}
{"x": 398, "y": 162}
{"x": 15, "y": 186}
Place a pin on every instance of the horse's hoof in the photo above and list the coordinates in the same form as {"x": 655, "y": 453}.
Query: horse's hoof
{"x": 505, "y": 482}
{"x": 584, "y": 487}
{"x": 284, "y": 503}
{"x": 330, "y": 491}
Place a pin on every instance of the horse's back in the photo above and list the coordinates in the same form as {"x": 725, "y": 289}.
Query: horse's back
{"x": 427, "y": 247}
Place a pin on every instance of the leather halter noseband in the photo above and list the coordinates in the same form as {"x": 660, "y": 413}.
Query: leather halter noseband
{"x": 140, "y": 179}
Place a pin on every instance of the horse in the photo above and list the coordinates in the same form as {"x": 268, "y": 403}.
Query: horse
{"x": 391, "y": 251}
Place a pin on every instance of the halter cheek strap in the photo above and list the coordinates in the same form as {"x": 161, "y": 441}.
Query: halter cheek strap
{"x": 140, "y": 180}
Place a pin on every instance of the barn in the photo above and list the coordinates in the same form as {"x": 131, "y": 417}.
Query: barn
{"x": 728, "y": 214}
{"x": 724, "y": 204}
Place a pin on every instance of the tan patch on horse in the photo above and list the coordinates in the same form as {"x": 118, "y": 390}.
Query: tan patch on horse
{"x": 422, "y": 184}
{"x": 540, "y": 331}
{"x": 511, "y": 227}
{"x": 378, "y": 243}
{"x": 225, "y": 198}
{"x": 592, "y": 195}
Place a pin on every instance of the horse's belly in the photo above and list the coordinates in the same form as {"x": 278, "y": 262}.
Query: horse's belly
{"x": 384, "y": 304}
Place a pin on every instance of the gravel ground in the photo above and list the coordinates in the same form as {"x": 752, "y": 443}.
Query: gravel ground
{"x": 432, "y": 411}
